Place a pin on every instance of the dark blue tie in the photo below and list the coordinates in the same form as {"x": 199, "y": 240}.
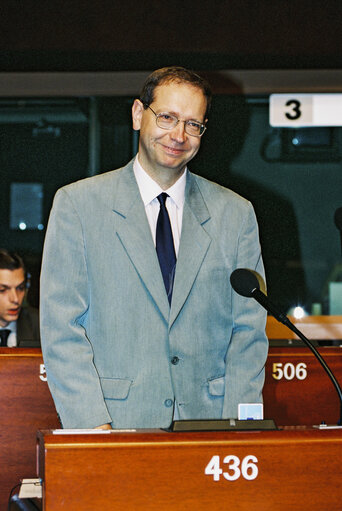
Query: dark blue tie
{"x": 4, "y": 336}
{"x": 165, "y": 247}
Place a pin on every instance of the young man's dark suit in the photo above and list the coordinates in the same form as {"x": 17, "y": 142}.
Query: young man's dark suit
{"x": 28, "y": 335}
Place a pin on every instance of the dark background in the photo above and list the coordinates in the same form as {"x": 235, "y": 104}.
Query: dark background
{"x": 132, "y": 35}
{"x": 295, "y": 191}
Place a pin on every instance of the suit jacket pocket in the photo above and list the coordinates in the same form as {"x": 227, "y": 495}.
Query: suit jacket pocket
{"x": 216, "y": 386}
{"x": 115, "y": 388}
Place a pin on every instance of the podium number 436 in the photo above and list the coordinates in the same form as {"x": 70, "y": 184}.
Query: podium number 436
{"x": 233, "y": 467}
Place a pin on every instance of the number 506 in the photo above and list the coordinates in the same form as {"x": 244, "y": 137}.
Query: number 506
{"x": 289, "y": 371}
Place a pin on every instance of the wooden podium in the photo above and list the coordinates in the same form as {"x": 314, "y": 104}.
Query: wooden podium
{"x": 160, "y": 471}
{"x": 297, "y": 389}
{"x": 313, "y": 327}
{"x": 25, "y": 406}
{"x": 290, "y": 399}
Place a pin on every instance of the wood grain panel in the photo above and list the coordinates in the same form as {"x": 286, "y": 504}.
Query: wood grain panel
{"x": 25, "y": 406}
{"x": 309, "y": 401}
{"x": 297, "y": 470}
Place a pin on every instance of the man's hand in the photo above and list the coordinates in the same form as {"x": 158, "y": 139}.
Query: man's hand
{"x": 104, "y": 426}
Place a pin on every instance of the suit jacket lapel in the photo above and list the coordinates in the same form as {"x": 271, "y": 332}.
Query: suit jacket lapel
{"x": 193, "y": 247}
{"x": 135, "y": 235}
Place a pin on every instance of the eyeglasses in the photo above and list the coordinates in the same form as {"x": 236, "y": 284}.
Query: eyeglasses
{"x": 168, "y": 121}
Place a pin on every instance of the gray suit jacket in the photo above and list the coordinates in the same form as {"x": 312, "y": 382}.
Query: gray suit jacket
{"x": 109, "y": 337}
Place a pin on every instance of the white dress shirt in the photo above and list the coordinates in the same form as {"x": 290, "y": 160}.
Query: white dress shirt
{"x": 149, "y": 191}
{"x": 12, "y": 338}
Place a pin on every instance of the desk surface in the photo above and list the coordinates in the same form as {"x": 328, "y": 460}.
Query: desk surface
{"x": 313, "y": 327}
{"x": 297, "y": 469}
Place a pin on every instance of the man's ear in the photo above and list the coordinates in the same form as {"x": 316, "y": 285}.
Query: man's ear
{"x": 137, "y": 111}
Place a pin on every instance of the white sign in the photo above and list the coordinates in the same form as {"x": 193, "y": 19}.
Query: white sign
{"x": 249, "y": 411}
{"x": 305, "y": 110}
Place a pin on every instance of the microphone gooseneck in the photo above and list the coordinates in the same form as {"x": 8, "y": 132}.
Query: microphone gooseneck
{"x": 246, "y": 283}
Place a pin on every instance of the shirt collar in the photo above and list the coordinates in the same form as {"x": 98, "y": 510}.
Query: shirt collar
{"x": 149, "y": 189}
{"x": 11, "y": 326}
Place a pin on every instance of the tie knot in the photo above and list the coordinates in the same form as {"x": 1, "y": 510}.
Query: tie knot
{"x": 162, "y": 198}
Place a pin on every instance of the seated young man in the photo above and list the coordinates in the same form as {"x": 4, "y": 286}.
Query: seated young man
{"x": 19, "y": 324}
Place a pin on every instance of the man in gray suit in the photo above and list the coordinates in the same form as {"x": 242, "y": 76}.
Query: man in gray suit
{"x": 19, "y": 323}
{"x": 123, "y": 347}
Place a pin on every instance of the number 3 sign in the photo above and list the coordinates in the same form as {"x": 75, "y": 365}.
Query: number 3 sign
{"x": 290, "y": 111}
{"x": 305, "y": 110}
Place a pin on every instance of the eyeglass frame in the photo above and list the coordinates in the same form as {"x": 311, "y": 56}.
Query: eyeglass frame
{"x": 203, "y": 126}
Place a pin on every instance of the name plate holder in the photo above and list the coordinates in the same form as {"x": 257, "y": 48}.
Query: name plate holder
{"x": 223, "y": 425}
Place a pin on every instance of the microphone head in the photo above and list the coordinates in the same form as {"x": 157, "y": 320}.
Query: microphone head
{"x": 338, "y": 219}
{"x": 244, "y": 282}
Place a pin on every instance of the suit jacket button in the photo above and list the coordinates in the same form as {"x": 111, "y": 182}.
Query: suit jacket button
{"x": 168, "y": 403}
{"x": 174, "y": 360}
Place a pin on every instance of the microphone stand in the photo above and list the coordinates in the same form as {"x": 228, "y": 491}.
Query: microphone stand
{"x": 282, "y": 318}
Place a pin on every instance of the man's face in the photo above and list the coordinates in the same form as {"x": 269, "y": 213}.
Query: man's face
{"x": 12, "y": 293}
{"x": 163, "y": 150}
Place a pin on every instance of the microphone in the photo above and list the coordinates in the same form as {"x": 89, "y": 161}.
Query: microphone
{"x": 247, "y": 283}
{"x": 338, "y": 222}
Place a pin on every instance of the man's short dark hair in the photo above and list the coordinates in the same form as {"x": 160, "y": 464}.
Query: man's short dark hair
{"x": 11, "y": 261}
{"x": 174, "y": 74}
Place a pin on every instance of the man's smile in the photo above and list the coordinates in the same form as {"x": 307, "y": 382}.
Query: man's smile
{"x": 173, "y": 150}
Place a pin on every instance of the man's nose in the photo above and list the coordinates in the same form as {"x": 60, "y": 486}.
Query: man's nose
{"x": 178, "y": 133}
{"x": 14, "y": 296}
